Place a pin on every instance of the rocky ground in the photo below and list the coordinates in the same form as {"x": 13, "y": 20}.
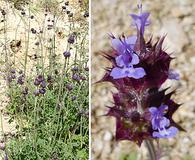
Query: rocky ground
{"x": 174, "y": 18}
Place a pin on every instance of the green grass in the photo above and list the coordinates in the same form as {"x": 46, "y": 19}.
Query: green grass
{"x": 48, "y": 130}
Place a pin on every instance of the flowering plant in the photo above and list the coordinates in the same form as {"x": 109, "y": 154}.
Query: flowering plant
{"x": 143, "y": 110}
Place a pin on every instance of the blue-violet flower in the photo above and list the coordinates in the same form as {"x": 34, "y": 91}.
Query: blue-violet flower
{"x": 126, "y": 60}
{"x": 161, "y": 123}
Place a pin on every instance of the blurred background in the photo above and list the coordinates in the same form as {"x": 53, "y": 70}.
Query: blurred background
{"x": 175, "y": 18}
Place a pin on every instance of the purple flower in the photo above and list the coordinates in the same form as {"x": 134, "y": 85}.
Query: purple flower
{"x": 173, "y": 75}
{"x": 130, "y": 72}
{"x": 66, "y": 54}
{"x": 76, "y": 77}
{"x": 165, "y": 133}
{"x": 43, "y": 84}
{"x": 125, "y": 47}
{"x": 75, "y": 68}
{"x": 140, "y": 21}
{"x": 40, "y": 78}
{"x": 36, "y": 82}
{"x": 21, "y": 80}
{"x": 42, "y": 91}
{"x": 122, "y": 45}
{"x": 157, "y": 115}
{"x": 126, "y": 59}
{"x": 120, "y": 60}
{"x": 133, "y": 58}
{"x": 71, "y": 39}
{"x": 161, "y": 123}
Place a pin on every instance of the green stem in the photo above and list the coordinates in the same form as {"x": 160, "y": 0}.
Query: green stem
{"x": 27, "y": 43}
{"x": 151, "y": 149}
{"x": 2, "y": 129}
{"x": 35, "y": 121}
{"x": 5, "y": 48}
{"x": 58, "y": 99}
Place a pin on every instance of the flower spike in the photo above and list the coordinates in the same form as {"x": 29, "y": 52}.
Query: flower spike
{"x": 141, "y": 107}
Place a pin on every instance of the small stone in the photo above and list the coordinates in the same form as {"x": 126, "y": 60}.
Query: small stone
{"x": 176, "y": 39}
{"x": 107, "y": 136}
{"x": 180, "y": 12}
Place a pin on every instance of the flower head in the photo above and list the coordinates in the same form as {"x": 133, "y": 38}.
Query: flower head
{"x": 139, "y": 68}
{"x": 71, "y": 39}
{"x": 161, "y": 124}
{"x": 21, "y": 79}
{"x": 66, "y": 54}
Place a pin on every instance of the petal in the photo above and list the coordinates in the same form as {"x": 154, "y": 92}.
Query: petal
{"x": 136, "y": 20}
{"x": 119, "y": 61}
{"x": 135, "y": 59}
{"x": 131, "y": 40}
{"x": 162, "y": 109}
{"x": 154, "y": 124}
{"x": 127, "y": 58}
{"x": 164, "y": 122}
{"x": 140, "y": 21}
{"x": 145, "y": 16}
{"x": 166, "y": 133}
{"x": 153, "y": 110}
{"x": 117, "y": 73}
{"x": 118, "y": 46}
{"x": 172, "y": 132}
{"x": 136, "y": 73}
{"x": 134, "y": 16}
{"x": 157, "y": 135}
